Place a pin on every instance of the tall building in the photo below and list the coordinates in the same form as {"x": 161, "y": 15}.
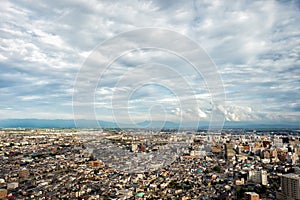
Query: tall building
{"x": 264, "y": 177}
{"x": 251, "y": 196}
{"x": 229, "y": 151}
{"x": 290, "y": 186}
{"x": 277, "y": 141}
{"x": 260, "y": 177}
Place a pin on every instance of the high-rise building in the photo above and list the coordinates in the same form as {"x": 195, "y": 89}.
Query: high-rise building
{"x": 251, "y": 196}
{"x": 230, "y": 153}
{"x": 264, "y": 177}
{"x": 260, "y": 177}
{"x": 290, "y": 186}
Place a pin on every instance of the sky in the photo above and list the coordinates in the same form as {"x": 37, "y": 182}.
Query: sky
{"x": 254, "y": 45}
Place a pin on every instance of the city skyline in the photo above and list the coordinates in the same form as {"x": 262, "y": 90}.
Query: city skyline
{"x": 254, "y": 46}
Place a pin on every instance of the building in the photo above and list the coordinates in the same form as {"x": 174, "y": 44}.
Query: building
{"x": 3, "y": 193}
{"x": 251, "y": 196}
{"x": 95, "y": 163}
{"x": 260, "y": 177}
{"x": 240, "y": 182}
{"x": 266, "y": 154}
{"x": 230, "y": 153}
{"x": 134, "y": 147}
{"x": 143, "y": 148}
{"x": 278, "y": 142}
{"x": 290, "y": 186}
{"x": 12, "y": 185}
{"x": 24, "y": 173}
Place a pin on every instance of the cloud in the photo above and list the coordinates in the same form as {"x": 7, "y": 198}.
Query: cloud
{"x": 254, "y": 44}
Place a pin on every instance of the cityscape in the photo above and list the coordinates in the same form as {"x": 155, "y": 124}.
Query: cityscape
{"x": 150, "y": 99}
{"x": 234, "y": 164}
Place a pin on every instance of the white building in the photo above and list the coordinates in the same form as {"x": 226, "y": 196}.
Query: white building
{"x": 134, "y": 147}
{"x": 278, "y": 142}
{"x": 260, "y": 177}
{"x": 12, "y": 185}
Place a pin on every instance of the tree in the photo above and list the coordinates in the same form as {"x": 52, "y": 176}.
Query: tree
{"x": 217, "y": 168}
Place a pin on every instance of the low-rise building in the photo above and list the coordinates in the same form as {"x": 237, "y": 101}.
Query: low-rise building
{"x": 3, "y": 193}
{"x": 251, "y": 196}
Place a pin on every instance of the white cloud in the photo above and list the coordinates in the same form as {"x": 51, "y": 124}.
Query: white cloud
{"x": 255, "y": 45}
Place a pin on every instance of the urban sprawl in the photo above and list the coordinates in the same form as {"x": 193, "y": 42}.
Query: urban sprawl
{"x": 83, "y": 164}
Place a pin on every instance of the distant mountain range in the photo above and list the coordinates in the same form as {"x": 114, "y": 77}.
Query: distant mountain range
{"x": 60, "y": 123}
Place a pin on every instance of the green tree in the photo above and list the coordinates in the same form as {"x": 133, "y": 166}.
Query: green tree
{"x": 217, "y": 168}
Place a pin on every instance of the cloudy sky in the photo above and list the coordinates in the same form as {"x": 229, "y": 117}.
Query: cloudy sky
{"x": 255, "y": 46}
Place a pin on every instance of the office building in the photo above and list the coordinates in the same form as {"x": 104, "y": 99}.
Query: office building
{"x": 260, "y": 177}
{"x": 290, "y": 186}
